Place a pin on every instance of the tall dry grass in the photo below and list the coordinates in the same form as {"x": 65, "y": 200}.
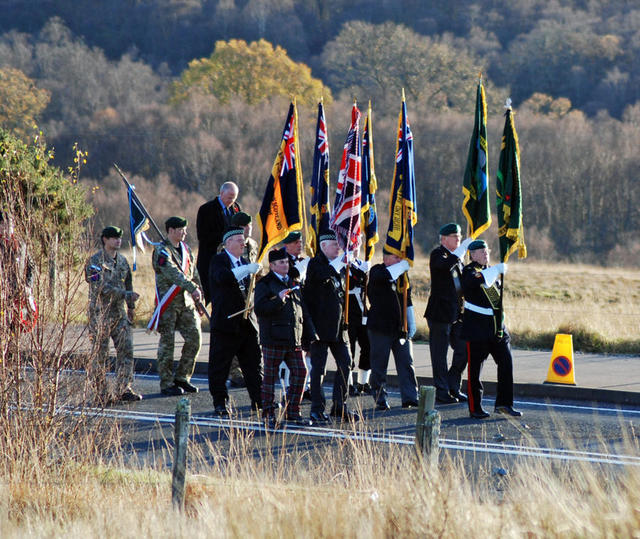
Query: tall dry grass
{"x": 351, "y": 489}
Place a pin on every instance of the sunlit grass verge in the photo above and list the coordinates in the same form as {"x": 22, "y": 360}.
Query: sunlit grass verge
{"x": 351, "y": 489}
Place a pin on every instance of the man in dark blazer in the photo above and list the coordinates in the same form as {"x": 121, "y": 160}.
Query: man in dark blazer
{"x": 214, "y": 217}
{"x": 444, "y": 313}
{"x": 284, "y": 325}
{"x": 323, "y": 295}
{"x": 385, "y": 324}
{"x": 229, "y": 278}
{"x": 484, "y": 331}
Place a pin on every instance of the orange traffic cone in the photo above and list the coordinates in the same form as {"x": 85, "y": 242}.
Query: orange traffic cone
{"x": 561, "y": 366}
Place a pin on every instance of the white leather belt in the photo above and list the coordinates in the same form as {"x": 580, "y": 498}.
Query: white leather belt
{"x": 476, "y": 309}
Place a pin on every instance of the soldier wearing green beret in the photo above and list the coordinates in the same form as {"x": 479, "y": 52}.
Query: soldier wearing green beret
{"x": 110, "y": 289}
{"x": 177, "y": 291}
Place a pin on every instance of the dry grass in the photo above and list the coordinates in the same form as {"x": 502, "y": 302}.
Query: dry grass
{"x": 356, "y": 489}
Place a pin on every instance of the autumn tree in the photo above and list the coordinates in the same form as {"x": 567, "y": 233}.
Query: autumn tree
{"x": 253, "y": 71}
{"x": 21, "y": 102}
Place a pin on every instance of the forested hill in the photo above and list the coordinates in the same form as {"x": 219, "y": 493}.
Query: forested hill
{"x": 185, "y": 94}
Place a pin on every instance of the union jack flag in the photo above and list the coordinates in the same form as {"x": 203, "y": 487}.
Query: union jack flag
{"x": 320, "y": 208}
{"x": 345, "y": 219}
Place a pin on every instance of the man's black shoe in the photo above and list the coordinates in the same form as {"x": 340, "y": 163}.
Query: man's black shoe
{"x": 318, "y": 417}
{"x": 344, "y": 414}
{"x": 462, "y": 397}
{"x": 509, "y": 410}
{"x": 410, "y": 404}
{"x": 446, "y": 399}
{"x": 186, "y": 386}
{"x": 480, "y": 414}
{"x": 221, "y": 411}
{"x": 383, "y": 406}
{"x": 172, "y": 391}
{"x": 297, "y": 419}
{"x": 130, "y": 396}
{"x": 353, "y": 391}
{"x": 306, "y": 396}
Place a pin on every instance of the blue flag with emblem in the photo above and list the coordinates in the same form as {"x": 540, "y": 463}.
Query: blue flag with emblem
{"x": 369, "y": 187}
{"x": 320, "y": 208}
{"x": 403, "y": 214}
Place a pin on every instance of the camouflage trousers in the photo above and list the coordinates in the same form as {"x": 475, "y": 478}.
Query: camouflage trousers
{"x": 187, "y": 322}
{"x": 119, "y": 330}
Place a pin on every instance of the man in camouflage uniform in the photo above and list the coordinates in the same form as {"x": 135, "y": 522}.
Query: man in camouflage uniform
{"x": 178, "y": 296}
{"x": 110, "y": 287}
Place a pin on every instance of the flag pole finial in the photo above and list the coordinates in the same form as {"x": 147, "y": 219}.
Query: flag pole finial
{"x": 321, "y": 99}
{"x": 403, "y": 94}
{"x": 480, "y": 76}
{"x": 507, "y": 104}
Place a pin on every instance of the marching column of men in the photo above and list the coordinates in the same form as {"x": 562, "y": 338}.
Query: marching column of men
{"x": 300, "y": 305}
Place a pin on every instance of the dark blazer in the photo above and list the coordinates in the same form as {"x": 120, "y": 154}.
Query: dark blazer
{"x": 443, "y": 303}
{"x": 228, "y": 296}
{"x": 357, "y": 279}
{"x": 282, "y": 323}
{"x": 475, "y": 326}
{"x": 211, "y": 223}
{"x": 323, "y": 294}
{"x": 386, "y": 302}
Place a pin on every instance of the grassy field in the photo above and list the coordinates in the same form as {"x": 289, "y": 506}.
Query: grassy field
{"x": 599, "y": 306}
{"x": 355, "y": 490}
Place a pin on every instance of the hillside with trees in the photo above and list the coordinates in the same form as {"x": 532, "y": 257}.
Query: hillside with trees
{"x": 186, "y": 94}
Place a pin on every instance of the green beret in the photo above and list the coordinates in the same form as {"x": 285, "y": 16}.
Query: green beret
{"x": 327, "y": 235}
{"x": 278, "y": 254}
{"x": 232, "y": 232}
{"x": 240, "y": 219}
{"x": 450, "y": 228}
{"x": 111, "y": 232}
{"x": 293, "y": 236}
{"x": 477, "y": 244}
{"x": 175, "y": 222}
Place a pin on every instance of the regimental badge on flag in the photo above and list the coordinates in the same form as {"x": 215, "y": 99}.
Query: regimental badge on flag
{"x": 369, "y": 186}
{"x": 403, "y": 213}
{"x": 475, "y": 186}
{"x": 138, "y": 223}
{"x": 345, "y": 219}
{"x": 320, "y": 209}
{"x": 509, "y": 192}
{"x": 282, "y": 209}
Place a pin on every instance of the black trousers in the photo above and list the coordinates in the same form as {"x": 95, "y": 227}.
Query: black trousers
{"x": 358, "y": 334}
{"x": 222, "y": 350}
{"x": 318, "y": 352}
{"x": 477, "y": 352}
{"x": 441, "y": 335}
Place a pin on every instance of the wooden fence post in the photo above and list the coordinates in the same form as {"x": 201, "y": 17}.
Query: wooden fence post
{"x": 428, "y": 425}
{"x": 183, "y": 416}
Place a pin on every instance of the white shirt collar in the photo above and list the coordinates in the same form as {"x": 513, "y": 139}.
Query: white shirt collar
{"x": 234, "y": 260}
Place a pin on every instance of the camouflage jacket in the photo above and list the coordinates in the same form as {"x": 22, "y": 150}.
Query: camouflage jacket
{"x": 110, "y": 285}
{"x": 167, "y": 261}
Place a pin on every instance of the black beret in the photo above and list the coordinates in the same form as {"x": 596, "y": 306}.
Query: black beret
{"x": 175, "y": 222}
{"x": 477, "y": 244}
{"x": 278, "y": 254}
{"x": 293, "y": 236}
{"x": 234, "y": 231}
{"x": 450, "y": 228}
{"x": 111, "y": 232}
{"x": 240, "y": 219}
{"x": 327, "y": 235}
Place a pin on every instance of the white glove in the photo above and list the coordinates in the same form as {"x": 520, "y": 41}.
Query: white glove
{"x": 491, "y": 274}
{"x": 337, "y": 264}
{"x": 398, "y": 269}
{"x": 301, "y": 266}
{"x": 411, "y": 322}
{"x": 242, "y": 271}
{"x": 362, "y": 265}
{"x": 460, "y": 251}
